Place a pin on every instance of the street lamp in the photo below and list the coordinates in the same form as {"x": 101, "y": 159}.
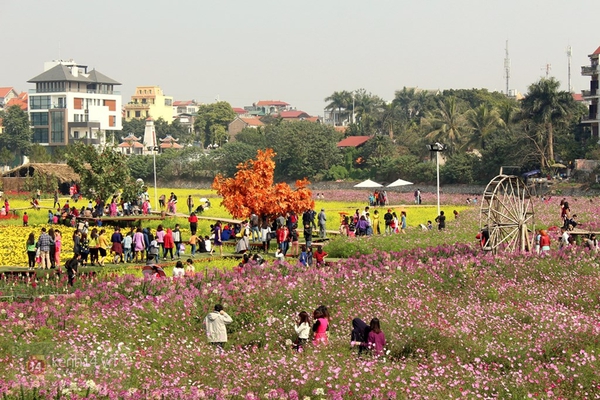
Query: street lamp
{"x": 154, "y": 150}
{"x": 437, "y": 148}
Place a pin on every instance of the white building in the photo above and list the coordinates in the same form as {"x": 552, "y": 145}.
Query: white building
{"x": 70, "y": 104}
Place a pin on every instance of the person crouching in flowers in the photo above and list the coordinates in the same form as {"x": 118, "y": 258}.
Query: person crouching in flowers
{"x": 375, "y": 339}
{"x": 302, "y": 329}
{"x": 215, "y": 327}
{"x": 320, "y": 328}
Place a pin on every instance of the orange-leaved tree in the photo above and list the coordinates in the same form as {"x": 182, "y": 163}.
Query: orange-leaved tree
{"x": 252, "y": 190}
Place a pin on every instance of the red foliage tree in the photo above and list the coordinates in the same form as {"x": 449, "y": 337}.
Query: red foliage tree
{"x": 252, "y": 190}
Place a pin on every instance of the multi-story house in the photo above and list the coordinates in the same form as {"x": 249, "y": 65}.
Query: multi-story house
{"x": 149, "y": 101}
{"x": 593, "y": 94}
{"x": 71, "y": 104}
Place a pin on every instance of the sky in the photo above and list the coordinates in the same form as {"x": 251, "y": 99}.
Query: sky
{"x": 243, "y": 51}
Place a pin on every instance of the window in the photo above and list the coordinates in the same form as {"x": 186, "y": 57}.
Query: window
{"x": 76, "y": 134}
{"x": 127, "y": 114}
{"x": 112, "y": 120}
{"x": 168, "y": 102}
{"x": 138, "y": 114}
{"x": 40, "y": 135}
{"x": 39, "y": 118}
{"x": 57, "y": 127}
{"x": 39, "y": 102}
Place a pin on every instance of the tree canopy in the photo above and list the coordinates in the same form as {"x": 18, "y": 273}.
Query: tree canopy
{"x": 17, "y": 131}
{"x": 253, "y": 190}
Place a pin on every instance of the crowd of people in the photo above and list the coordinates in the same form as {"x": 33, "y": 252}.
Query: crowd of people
{"x": 367, "y": 338}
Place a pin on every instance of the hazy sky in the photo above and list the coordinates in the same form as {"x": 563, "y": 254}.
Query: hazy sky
{"x": 243, "y": 51}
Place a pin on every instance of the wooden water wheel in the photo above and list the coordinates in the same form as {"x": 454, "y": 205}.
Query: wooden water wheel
{"x": 506, "y": 217}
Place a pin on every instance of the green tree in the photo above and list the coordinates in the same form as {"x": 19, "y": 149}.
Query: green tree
{"x": 211, "y": 115}
{"x": 545, "y": 104}
{"x": 38, "y": 154}
{"x": 342, "y": 102}
{"x": 447, "y": 124}
{"x": 368, "y": 109}
{"x": 17, "y": 131}
{"x": 102, "y": 174}
{"x": 482, "y": 120}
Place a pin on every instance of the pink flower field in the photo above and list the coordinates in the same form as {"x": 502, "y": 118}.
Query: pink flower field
{"x": 459, "y": 323}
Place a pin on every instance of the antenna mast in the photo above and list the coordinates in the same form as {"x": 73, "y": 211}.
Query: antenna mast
{"x": 569, "y": 56}
{"x": 547, "y": 68}
{"x": 507, "y": 68}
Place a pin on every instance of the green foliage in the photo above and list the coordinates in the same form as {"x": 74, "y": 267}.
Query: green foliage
{"x": 46, "y": 183}
{"x": 175, "y": 129}
{"x": 135, "y": 126}
{"x": 337, "y": 172}
{"x": 210, "y": 116}
{"x": 102, "y": 173}
{"x": 230, "y": 155}
{"x": 17, "y": 131}
{"x": 459, "y": 168}
{"x": 39, "y": 154}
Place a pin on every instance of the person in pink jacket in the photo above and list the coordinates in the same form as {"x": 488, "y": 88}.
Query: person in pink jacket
{"x": 320, "y": 328}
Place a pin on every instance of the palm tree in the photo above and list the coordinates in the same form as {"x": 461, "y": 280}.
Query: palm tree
{"x": 367, "y": 109}
{"x": 546, "y": 105}
{"x": 482, "y": 121}
{"x": 340, "y": 101}
{"x": 447, "y": 124}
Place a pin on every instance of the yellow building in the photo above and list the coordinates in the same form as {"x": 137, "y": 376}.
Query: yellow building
{"x": 149, "y": 101}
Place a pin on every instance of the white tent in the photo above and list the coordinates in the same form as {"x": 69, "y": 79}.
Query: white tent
{"x": 368, "y": 184}
{"x": 399, "y": 182}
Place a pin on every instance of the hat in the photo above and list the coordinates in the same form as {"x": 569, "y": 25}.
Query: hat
{"x": 322, "y": 209}
{"x": 389, "y": 209}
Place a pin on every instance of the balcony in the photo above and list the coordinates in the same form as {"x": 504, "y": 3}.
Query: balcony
{"x": 590, "y": 119}
{"x": 588, "y": 70}
{"x": 137, "y": 106}
{"x": 590, "y": 94}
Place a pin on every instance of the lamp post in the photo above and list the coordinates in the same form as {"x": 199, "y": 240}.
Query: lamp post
{"x": 154, "y": 150}
{"x": 437, "y": 148}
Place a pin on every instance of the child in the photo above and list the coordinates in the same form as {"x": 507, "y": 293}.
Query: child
{"x": 279, "y": 256}
{"x": 207, "y": 244}
{"x": 50, "y": 217}
{"x": 320, "y": 328}
{"x": 309, "y": 257}
{"x": 189, "y": 267}
{"x": 302, "y": 329}
{"x": 303, "y": 259}
{"x": 375, "y": 339}
{"x": 127, "y": 242}
{"x": 193, "y": 242}
{"x": 429, "y": 225}
{"x": 320, "y": 257}
{"x": 25, "y": 219}
{"x": 178, "y": 270}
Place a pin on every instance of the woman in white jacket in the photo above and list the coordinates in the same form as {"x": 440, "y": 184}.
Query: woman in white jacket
{"x": 215, "y": 326}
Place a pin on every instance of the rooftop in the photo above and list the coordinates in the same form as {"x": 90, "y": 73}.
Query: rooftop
{"x": 353, "y": 141}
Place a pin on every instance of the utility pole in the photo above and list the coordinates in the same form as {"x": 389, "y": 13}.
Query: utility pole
{"x": 507, "y": 68}
{"x": 569, "y": 56}
{"x": 547, "y": 68}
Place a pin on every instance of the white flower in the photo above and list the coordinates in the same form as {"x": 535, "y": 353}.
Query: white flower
{"x": 319, "y": 391}
{"x": 21, "y": 315}
{"x": 90, "y": 384}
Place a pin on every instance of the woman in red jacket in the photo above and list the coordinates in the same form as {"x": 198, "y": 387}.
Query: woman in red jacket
{"x": 193, "y": 220}
{"x": 169, "y": 244}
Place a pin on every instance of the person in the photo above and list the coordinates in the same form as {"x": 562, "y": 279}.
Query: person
{"x": 218, "y": 238}
{"x": 25, "y": 219}
{"x": 57, "y": 247}
{"x": 320, "y": 256}
{"x": 403, "y": 221}
{"x": 169, "y": 244}
{"x": 215, "y": 327}
{"x": 544, "y": 241}
{"x": 117, "y": 245}
{"x": 84, "y": 248}
{"x": 56, "y": 203}
{"x": 189, "y": 267}
{"x": 359, "y": 334}
{"x": 190, "y": 204}
{"x": 302, "y": 329}
{"x": 72, "y": 265}
{"x": 102, "y": 247}
{"x": 193, "y": 220}
{"x": 309, "y": 257}
{"x": 375, "y": 339}
{"x": 193, "y": 241}
{"x": 455, "y": 214}
{"x": 254, "y": 227}
{"x": 395, "y": 226}
{"x": 279, "y": 256}
{"x": 571, "y": 223}
{"x": 592, "y": 243}
{"x": 127, "y": 247}
{"x": 375, "y": 223}
{"x": 303, "y": 259}
{"x": 441, "y": 221}
{"x": 429, "y": 225}
{"x": 564, "y": 238}
{"x": 320, "y": 328}
{"x": 536, "y": 241}
{"x": 208, "y": 245}
{"x": 50, "y": 217}
{"x": 30, "y": 247}
{"x": 177, "y": 241}
{"x": 294, "y": 240}
{"x": 308, "y": 235}
{"x": 265, "y": 233}
{"x": 388, "y": 219}
{"x": 322, "y": 219}
{"x": 483, "y": 236}
{"x": 178, "y": 270}
{"x": 161, "y": 202}
{"x": 138, "y": 245}
{"x": 243, "y": 244}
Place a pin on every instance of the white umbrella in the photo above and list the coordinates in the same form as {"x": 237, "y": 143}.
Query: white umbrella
{"x": 203, "y": 200}
{"x": 399, "y": 182}
{"x": 368, "y": 184}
